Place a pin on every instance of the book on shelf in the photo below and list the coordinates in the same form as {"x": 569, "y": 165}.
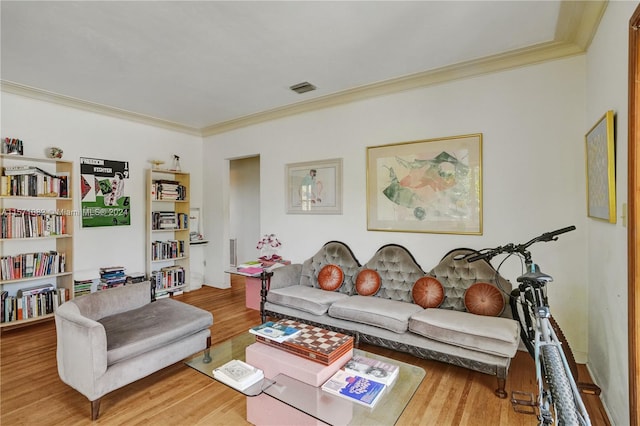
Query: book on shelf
{"x": 238, "y": 374}
{"x": 355, "y": 388}
{"x": 373, "y": 369}
{"x": 25, "y": 170}
{"x": 275, "y": 331}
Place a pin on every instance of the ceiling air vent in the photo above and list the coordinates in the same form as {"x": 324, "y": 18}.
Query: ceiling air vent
{"x": 303, "y": 87}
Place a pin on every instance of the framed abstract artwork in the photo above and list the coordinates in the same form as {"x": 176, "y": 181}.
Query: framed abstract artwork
{"x": 432, "y": 185}
{"x": 601, "y": 169}
{"x": 314, "y": 187}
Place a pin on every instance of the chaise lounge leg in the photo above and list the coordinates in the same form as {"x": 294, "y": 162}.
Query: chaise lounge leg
{"x": 207, "y": 352}
{"x": 95, "y": 409}
{"x": 501, "y": 392}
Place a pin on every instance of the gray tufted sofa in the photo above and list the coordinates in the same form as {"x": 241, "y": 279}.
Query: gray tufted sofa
{"x": 390, "y": 318}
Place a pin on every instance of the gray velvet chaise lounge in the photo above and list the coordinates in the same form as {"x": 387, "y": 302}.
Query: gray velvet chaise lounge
{"x": 114, "y": 337}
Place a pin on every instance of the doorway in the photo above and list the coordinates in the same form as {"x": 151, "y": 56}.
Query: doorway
{"x": 244, "y": 207}
{"x": 634, "y": 217}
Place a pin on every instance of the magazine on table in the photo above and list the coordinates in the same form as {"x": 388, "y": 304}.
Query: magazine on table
{"x": 373, "y": 369}
{"x": 275, "y": 331}
{"x": 355, "y": 388}
{"x": 238, "y": 374}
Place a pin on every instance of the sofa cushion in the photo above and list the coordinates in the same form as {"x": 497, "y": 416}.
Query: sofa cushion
{"x": 330, "y": 277}
{"x": 152, "y": 326}
{"x": 384, "y": 313}
{"x": 494, "y": 335}
{"x": 428, "y": 292}
{"x": 308, "y": 299}
{"x": 368, "y": 282}
{"x": 484, "y": 299}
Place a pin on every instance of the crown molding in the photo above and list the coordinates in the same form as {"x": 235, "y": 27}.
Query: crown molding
{"x": 577, "y": 24}
{"x": 68, "y": 101}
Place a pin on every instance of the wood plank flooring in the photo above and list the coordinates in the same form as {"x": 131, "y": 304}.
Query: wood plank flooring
{"x": 31, "y": 392}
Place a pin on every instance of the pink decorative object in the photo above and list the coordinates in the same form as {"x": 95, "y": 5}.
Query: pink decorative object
{"x": 268, "y": 247}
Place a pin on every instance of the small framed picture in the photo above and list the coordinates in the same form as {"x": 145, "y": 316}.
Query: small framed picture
{"x": 314, "y": 187}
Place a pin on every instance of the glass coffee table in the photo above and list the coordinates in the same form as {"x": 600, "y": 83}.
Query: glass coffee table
{"x": 312, "y": 400}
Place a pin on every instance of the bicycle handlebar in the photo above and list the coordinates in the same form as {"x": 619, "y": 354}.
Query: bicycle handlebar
{"x": 520, "y": 248}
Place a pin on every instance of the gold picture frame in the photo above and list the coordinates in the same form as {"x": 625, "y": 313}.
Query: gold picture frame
{"x": 601, "y": 169}
{"x": 432, "y": 186}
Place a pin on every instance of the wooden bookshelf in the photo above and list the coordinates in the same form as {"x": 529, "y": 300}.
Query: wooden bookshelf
{"x": 40, "y": 204}
{"x": 178, "y": 232}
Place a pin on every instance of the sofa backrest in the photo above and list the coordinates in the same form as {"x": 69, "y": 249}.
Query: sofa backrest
{"x": 332, "y": 253}
{"x": 457, "y": 275}
{"x": 113, "y": 301}
{"x": 398, "y": 272}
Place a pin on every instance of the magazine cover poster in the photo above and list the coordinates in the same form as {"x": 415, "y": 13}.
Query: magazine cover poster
{"x": 105, "y": 200}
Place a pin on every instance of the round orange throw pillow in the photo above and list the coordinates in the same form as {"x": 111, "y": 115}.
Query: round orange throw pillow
{"x": 428, "y": 292}
{"x": 330, "y": 277}
{"x": 484, "y": 299}
{"x": 368, "y": 282}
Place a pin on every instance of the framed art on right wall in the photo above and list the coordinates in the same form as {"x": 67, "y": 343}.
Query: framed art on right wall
{"x": 601, "y": 169}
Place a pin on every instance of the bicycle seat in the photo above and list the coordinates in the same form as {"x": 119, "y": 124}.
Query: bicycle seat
{"x": 535, "y": 276}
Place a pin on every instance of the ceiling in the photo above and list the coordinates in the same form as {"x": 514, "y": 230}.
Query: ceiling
{"x": 204, "y": 67}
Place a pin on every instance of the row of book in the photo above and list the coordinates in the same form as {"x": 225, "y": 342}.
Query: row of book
{"x": 31, "y": 302}
{"x": 27, "y": 265}
{"x": 168, "y": 278}
{"x": 12, "y": 146}
{"x": 18, "y": 223}
{"x": 112, "y": 276}
{"x": 81, "y": 287}
{"x": 169, "y": 220}
{"x": 168, "y": 190}
{"x": 170, "y": 249}
{"x": 34, "y": 185}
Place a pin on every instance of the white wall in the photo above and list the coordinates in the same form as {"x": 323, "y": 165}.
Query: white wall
{"x": 607, "y": 89}
{"x": 83, "y": 134}
{"x": 532, "y": 119}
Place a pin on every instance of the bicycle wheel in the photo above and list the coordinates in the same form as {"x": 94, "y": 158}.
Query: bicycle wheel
{"x": 556, "y": 377}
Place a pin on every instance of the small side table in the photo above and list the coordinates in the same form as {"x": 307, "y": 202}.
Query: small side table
{"x": 253, "y": 287}
{"x": 256, "y": 287}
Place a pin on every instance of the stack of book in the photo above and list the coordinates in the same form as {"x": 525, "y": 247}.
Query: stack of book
{"x": 112, "y": 276}
{"x": 250, "y": 267}
{"x": 238, "y": 374}
{"x": 275, "y": 331}
{"x": 169, "y": 190}
{"x": 81, "y": 287}
{"x": 135, "y": 277}
{"x": 362, "y": 380}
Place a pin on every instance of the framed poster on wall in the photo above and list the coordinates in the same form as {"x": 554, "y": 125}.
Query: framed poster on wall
{"x": 104, "y": 196}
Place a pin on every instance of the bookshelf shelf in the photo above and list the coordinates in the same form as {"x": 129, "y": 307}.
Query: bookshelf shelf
{"x": 172, "y": 274}
{"x": 12, "y": 248}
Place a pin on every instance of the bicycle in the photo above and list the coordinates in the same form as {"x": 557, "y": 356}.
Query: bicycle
{"x": 555, "y": 373}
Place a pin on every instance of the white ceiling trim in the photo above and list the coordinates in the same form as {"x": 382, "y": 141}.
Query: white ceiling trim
{"x": 577, "y": 24}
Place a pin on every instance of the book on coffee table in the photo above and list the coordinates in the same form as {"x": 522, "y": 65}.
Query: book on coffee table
{"x": 313, "y": 343}
{"x": 354, "y": 388}
{"x": 275, "y": 331}
{"x": 238, "y": 374}
{"x": 373, "y": 369}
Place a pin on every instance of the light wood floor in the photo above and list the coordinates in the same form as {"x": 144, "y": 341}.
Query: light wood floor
{"x": 32, "y": 394}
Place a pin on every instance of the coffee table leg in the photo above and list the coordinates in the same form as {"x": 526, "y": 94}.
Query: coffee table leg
{"x": 207, "y": 352}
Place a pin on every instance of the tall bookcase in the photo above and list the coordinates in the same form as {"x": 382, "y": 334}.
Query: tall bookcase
{"x": 36, "y": 226}
{"x": 168, "y": 208}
